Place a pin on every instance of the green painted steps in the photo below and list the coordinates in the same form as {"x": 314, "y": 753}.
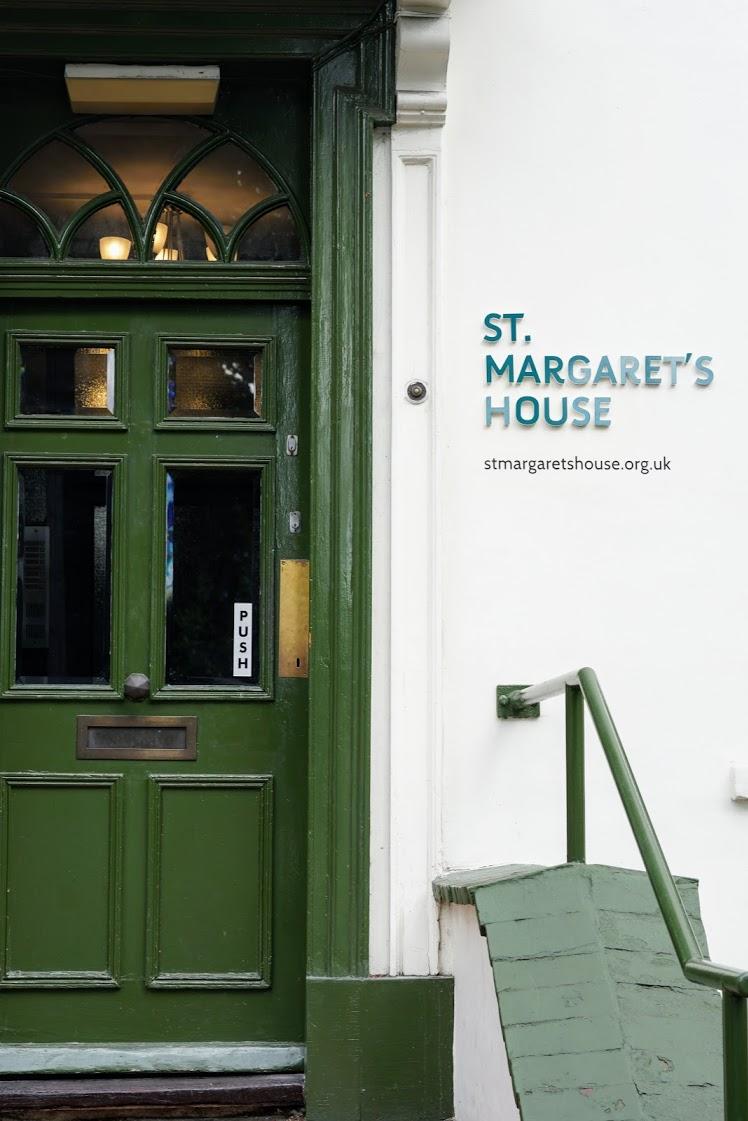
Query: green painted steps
{"x": 598, "y": 1020}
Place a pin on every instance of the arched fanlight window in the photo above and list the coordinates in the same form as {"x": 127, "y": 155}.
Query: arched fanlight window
{"x": 148, "y": 189}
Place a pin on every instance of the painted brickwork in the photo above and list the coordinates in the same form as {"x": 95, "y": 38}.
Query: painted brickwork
{"x": 598, "y": 1020}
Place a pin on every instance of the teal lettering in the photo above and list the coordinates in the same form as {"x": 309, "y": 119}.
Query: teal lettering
{"x": 579, "y": 407}
{"x": 602, "y": 408}
{"x": 534, "y": 410}
{"x": 497, "y": 410}
{"x": 584, "y": 371}
{"x": 514, "y": 318}
{"x": 604, "y": 371}
{"x": 528, "y": 370}
{"x": 703, "y": 366}
{"x": 553, "y": 364}
{"x": 629, "y": 366}
{"x": 492, "y": 326}
{"x": 673, "y": 362}
{"x": 494, "y": 370}
{"x": 564, "y": 412}
{"x": 651, "y": 366}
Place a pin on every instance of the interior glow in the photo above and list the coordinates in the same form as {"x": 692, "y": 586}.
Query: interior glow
{"x": 159, "y": 238}
{"x": 114, "y": 248}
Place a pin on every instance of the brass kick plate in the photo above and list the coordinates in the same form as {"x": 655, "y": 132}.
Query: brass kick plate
{"x": 293, "y": 645}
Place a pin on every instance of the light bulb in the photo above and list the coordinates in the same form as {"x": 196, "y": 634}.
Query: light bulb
{"x": 159, "y": 238}
{"x": 114, "y": 248}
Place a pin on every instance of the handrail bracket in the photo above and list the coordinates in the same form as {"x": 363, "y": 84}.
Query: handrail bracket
{"x": 510, "y": 704}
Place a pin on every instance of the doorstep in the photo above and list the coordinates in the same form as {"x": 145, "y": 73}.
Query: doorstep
{"x": 99, "y": 1099}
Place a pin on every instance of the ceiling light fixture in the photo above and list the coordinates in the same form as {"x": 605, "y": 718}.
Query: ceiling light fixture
{"x": 96, "y": 88}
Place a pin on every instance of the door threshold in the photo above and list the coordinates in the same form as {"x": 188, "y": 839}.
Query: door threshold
{"x": 24, "y": 1060}
{"x": 99, "y": 1099}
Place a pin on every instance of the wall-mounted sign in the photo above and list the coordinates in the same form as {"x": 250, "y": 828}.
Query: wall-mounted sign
{"x": 517, "y": 366}
{"x": 242, "y": 640}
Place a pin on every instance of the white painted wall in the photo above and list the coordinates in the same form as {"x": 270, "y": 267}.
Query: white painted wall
{"x": 482, "y": 1082}
{"x": 596, "y": 178}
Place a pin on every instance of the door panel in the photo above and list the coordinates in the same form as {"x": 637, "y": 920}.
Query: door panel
{"x": 54, "y": 874}
{"x": 209, "y": 915}
{"x": 155, "y": 872}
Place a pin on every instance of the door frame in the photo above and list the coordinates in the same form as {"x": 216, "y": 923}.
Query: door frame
{"x": 352, "y": 61}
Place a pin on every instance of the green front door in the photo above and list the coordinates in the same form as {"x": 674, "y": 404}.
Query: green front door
{"x": 153, "y": 757}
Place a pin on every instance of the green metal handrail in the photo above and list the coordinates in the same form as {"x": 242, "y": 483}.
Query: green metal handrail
{"x": 582, "y": 686}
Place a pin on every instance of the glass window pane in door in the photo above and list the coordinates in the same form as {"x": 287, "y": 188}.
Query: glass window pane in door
{"x": 104, "y": 236}
{"x": 227, "y": 182}
{"x": 213, "y": 553}
{"x": 63, "y": 618}
{"x": 215, "y": 381}
{"x": 273, "y": 237}
{"x": 19, "y": 234}
{"x": 142, "y": 150}
{"x": 59, "y": 181}
{"x": 180, "y": 237}
{"x": 67, "y": 379}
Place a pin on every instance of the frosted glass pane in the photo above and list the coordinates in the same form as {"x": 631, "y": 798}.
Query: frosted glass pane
{"x": 67, "y": 379}
{"x": 223, "y": 381}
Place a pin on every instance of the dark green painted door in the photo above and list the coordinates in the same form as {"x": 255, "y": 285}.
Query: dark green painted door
{"x": 150, "y": 493}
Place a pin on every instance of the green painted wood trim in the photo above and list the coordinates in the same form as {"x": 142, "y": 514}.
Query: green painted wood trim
{"x": 194, "y": 31}
{"x": 379, "y": 1049}
{"x": 354, "y": 90}
{"x": 176, "y": 281}
{"x": 142, "y": 1058}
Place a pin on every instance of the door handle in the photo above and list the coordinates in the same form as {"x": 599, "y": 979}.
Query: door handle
{"x": 137, "y": 686}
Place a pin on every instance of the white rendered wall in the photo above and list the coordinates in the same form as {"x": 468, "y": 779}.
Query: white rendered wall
{"x": 595, "y": 177}
{"x": 482, "y": 1082}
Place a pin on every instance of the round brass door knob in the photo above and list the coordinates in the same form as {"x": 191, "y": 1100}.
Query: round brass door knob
{"x": 137, "y": 686}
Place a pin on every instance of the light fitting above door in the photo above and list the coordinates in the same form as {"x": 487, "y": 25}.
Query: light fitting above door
{"x": 97, "y": 88}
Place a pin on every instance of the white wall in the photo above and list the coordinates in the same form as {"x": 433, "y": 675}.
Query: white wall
{"x": 482, "y": 1082}
{"x": 595, "y": 164}
{"x": 597, "y": 179}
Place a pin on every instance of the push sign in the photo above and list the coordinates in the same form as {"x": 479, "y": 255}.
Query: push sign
{"x": 242, "y": 640}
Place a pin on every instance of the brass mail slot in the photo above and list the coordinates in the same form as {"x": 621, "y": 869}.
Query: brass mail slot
{"x": 136, "y": 737}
